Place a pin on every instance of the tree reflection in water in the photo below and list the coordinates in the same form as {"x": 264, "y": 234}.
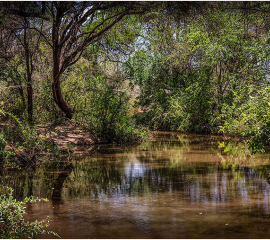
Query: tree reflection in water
{"x": 173, "y": 176}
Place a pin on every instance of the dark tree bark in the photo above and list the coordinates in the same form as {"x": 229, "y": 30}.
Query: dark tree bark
{"x": 29, "y": 71}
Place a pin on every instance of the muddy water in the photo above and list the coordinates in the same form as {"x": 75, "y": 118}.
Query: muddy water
{"x": 175, "y": 186}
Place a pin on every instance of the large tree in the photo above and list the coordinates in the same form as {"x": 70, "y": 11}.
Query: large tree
{"x": 71, "y": 28}
{"x": 76, "y": 25}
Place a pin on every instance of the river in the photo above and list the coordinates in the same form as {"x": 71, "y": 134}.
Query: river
{"x": 173, "y": 186}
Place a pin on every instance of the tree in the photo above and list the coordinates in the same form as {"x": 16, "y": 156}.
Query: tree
{"x": 75, "y": 26}
{"x": 19, "y": 48}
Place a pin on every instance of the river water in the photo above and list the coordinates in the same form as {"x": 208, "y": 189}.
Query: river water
{"x": 174, "y": 186}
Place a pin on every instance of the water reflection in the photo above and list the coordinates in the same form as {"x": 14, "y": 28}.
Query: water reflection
{"x": 176, "y": 186}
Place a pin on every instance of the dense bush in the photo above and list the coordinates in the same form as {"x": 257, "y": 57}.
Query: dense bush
{"x": 103, "y": 107}
{"x": 107, "y": 115}
{"x": 249, "y": 117}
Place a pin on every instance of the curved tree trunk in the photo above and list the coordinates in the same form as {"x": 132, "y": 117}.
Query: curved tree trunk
{"x": 58, "y": 98}
{"x": 57, "y": 48}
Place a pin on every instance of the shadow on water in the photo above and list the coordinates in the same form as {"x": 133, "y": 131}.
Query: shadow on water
{"x": 176, "y": 186}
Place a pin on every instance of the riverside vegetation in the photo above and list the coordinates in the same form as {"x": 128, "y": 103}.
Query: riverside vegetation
{"x": 12, "y": 222}
{"x": 120, "y": 69}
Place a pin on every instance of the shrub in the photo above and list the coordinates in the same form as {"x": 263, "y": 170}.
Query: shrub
{"x": 20, "y": 132}
{"x": 106, "y": 111}
{"x": 12, "y": 223}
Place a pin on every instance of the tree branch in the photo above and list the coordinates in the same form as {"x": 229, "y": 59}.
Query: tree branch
{"x": 41, "y": 33}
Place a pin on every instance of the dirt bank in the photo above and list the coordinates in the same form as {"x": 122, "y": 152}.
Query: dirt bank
{"x": 66, "y": 135}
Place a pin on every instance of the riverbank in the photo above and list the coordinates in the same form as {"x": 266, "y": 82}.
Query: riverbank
{"x": 47, "y": 139}
{"x": 66, "y": 135}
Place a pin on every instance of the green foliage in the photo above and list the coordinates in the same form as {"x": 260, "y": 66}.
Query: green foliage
{"x": 57, "y": 151}
{"x": 20, "y": 133}
{"x": 174, "y": 99}
{"x": 188, "y": 72}
{"x": 205, "y": 72}
{"x": 177, "y": 116}
{"x": 3, "y": 144}
{"x": 45, "y": 110}
{"x": 249, "y": 117}
{"x": 108, "y": 115}
{"x": 104, "y": 108}
{"x": 233, "y": 148}
{"x": 12, "y": 223}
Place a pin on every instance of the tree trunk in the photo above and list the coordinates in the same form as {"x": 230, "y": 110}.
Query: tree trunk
{"x": 56, "y": 86}
{"x": 30, "y": 103}
{"x": 29, "y": 88}
{"x": 29, "y": 70}
{"x": 58, "y": 98}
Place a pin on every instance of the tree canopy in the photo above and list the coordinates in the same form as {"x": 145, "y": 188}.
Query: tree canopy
{"x": 114, "y": 66}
